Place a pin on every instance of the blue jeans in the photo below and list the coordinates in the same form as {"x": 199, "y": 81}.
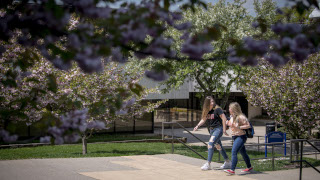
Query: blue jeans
{"x": 215, "y": 135}
{"x": 238, "y": 146}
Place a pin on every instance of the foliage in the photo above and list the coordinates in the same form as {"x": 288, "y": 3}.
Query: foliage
{"x": 74, "y": 31}
{"x": 102, "y": 96}
{"x": 293, "y": 40}
{"x": 99, "y": 30}
{"x": 289, "y": 94}
{"x": 231, "y": 22}
{"x": 90, "y": 31}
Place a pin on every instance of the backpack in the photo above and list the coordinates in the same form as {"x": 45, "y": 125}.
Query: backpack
{"x": 250, "y": 131}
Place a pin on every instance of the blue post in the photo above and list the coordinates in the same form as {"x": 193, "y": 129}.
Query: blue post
{"x": 285, "y": 145}
{"x": 266, "y": 149}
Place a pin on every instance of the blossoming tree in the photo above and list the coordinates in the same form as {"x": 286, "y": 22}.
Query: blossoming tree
{"x": 53, "y": 98}
{"x": 105, "y": 96}
{"x": 289, "y": 94}
{"x": 212, "y": 77}
{"x": 293, "y": 39}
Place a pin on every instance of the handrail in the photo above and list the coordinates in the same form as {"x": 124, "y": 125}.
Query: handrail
{"x": 191, "y": 149}
{"x": 186, "y": 130}
{"x": 309, "y": 142}
{"x": 309, "y": 165}
{"x": 172, "y": 138}
{"x": 268, "y": 144}
{"x": 301, "y": 155}
{"x": 313, "y": 146}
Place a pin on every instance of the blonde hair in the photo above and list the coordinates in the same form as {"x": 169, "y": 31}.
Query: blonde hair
{"x": 206, "y": 106}
{"x": 236, "y": 110}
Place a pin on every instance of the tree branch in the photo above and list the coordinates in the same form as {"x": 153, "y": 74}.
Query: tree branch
{"x": 201, "y": 84}
{"x": 175, "y": 57}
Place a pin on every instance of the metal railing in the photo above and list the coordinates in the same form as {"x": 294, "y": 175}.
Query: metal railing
{"x": 259, "y": 144}
{"x": 301, "y": 154}
{"x": 281, "y": 143}
{"x": 172, "y": 138}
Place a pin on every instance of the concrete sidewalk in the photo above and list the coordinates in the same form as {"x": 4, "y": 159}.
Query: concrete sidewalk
{"x": 155, "y": 167}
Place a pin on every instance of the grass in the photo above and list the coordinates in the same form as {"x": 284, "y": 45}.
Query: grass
{"x": 94, "y": 150}
{"x": 106, "y": 138}
{"x": 127, "y": 149}
{"x": 120, "y": 137}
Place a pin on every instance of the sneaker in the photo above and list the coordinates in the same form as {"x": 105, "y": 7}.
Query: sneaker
{"x": 206, "y": 167}
{"x": 230, "y": 172}
{"x": 247, "y": 170}
{"x": 226, "y": 165}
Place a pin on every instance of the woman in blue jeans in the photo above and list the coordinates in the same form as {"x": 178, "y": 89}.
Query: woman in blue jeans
{"x": 238, "y": 123}
{"x": 216, "y": 120}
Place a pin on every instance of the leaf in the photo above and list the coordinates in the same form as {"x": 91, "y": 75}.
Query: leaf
{"x": 300, "y": 8}
{"x": 104, "y": 50}
{"x": 166, "y": 4}
{"x": 214, "y": 33}
{"x": 78, "y": 104}
{"x": 124, "y": 4}
{"x": 52, "y": 83}
{"x": 118, "y": 102}
{"x": 65, "y": 55}
{"x": 47, "y": 120}
{"x": 97, "y": 108}
{"x": 9, "y": 83}
{"x": 33, "y": 79}
{"x": 204, "y": 5}
{"x": 233, "y": 41}
{"x": 11, "y": 127}
{"x": 136, "y": 88}
{"x": 314, "y": 2}
{"x": 121, "y": 91}
{"x": 27, "y": 59}
{"x": 57, "y": 11}
{"x": 262, "y": 24}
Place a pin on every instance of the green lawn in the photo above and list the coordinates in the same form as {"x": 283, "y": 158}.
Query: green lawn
{"x": 120, "y": 137}
{"x": 127, "y": 149}
{"x": 105, "y": 138}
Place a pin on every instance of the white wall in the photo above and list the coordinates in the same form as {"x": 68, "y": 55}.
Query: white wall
{"x": 253, "y": 111}
{"x": 181, "y": 93}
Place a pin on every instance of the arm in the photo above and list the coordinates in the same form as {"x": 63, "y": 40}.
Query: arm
{"x": 245, "y": 123}
{"x": 227, "y": 122}
{"x": 224, "y": 124}
{"x": 201, "y": 122}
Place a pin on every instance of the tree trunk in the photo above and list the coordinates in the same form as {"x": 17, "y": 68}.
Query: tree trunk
{"x": 84, "y": 145}
{"x": 296, "y": 151}
{"x": 224, "y": 100}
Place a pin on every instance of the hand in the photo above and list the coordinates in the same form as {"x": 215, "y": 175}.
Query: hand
{"x": 225, "y": 133}
{"x": 195, "y": 128}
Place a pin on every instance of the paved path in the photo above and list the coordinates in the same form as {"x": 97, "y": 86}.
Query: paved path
{"x": 155, "y": 167}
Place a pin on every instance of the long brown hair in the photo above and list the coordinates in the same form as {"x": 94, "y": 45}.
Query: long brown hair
{"x": 236, "y": 110}
{"x": 206, "y": 106}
